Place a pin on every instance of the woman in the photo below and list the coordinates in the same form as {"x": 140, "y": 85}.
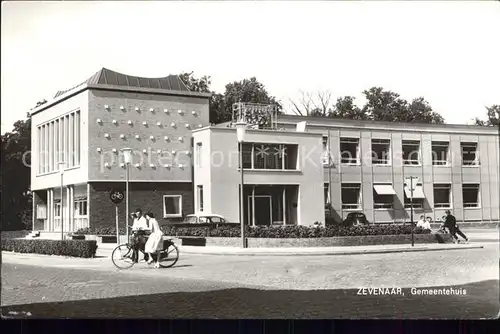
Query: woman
{"x": 154, "y": 243}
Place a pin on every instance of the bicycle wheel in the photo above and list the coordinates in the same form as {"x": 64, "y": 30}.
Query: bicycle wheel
{"x": 122, "y": 256}
{"x": 169, "y": 256}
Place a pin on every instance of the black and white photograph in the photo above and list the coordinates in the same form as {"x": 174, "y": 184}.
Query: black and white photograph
{"x": 250, "y": 160}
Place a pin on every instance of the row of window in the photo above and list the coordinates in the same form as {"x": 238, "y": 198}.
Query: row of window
{"x": 411, "y": 152}
{"x": 352, "y": 197}
{"x": 59, "y": 141}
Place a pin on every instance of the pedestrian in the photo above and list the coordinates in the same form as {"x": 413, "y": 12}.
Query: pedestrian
{"x": 155, "y": 241}
{"x": 423, "y": 223}
{"x": 451, "y": 224}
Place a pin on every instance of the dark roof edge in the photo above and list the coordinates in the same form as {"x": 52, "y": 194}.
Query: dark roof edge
{"x": 84, "y": 87}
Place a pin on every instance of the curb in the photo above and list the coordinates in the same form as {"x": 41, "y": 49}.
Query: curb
{"x": 324, "y": 253}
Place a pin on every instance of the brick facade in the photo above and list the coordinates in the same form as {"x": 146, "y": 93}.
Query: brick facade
{"x": 145, "y": 195}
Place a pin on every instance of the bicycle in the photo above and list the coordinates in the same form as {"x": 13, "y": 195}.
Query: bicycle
{"x": 122, "y": 255}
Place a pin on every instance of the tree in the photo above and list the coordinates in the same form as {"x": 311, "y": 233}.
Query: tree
{"x": 309, "y": 104}
{"x": 387, "y": 106}
{"x": 16, "y": 161}
{"x": 493, "y": 114}
{"x": 194, "y": 84}
{"x": 345, "y": 108}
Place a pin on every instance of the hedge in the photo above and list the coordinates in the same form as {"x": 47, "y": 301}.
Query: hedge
{"x": 100, "y": 231}
{"x": 75, "y": 248}
{"x": 292, "y": 231}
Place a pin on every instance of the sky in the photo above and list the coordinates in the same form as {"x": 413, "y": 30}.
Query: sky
{"x": 447, "y": 52}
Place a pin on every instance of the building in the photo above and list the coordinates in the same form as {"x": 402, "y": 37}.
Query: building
{"x": 88, "y": 125}
{"x": 292, "y": 168}
{"x": 455, "y": 166}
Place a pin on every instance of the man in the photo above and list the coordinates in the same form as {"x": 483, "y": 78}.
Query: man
{"x": 140, "y": 229}
{"x": 451, "y": 223}
{"x": 423, "y": 223}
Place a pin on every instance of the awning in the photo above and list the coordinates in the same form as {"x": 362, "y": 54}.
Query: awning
{"x": 384, "y": 189}
{"x": 417, "y": 193}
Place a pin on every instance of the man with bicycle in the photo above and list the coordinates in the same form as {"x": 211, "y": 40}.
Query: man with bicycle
{"x": 140, "y": 231}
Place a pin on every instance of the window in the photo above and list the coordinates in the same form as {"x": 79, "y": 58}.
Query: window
{"x": 325, "y": 143}
{"x": 57, "y": 209}
{"x": 383, "y": 196}
{"x": 470, "y": 195}
{"x": 216, "y": 220}
{"x": 172, "y": 206}
{"x": 351, "y": 196}
{"x": 381, "y": 151}
{"x": 469, "y": 154}
{"x": 198, "y": 154}
{"x": 40, "y": 149}
{"x": 81, "y": 207}
{"x": 200, "y": 198}
{"x": 440, "y": 153}
{"x": 270, "y": 156}
{"x": 349, "y": 150}
{"x": 411, "y": 152}
{"x": 77, "y": 139}
{"x": 326, "y": 190}
{"x": 418, "y": 197}
{"x": 442, "y": 196}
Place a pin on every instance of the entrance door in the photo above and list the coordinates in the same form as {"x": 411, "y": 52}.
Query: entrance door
{"x": 263, "y": 210}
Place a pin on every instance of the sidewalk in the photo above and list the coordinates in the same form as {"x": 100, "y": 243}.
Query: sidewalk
{"x": 104, "y": 250}
{"x": 317, "y": 251}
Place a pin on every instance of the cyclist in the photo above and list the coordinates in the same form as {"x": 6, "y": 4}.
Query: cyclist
{"x": 140, "y": 230}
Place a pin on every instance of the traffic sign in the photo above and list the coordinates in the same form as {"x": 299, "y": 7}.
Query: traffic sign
{"x": 116, "y": 196}
{"x": 411, "y": 182}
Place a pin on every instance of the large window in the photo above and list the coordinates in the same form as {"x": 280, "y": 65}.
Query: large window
{"x": 440, "y": 153}
{"x": 442, "y": 195}
{"x": 383, "y": 196}
{"x": 199, "y": 146}
{"x": 172, "y": 206}
{"x": 326, "y": 190}
{"x": 470, "y": 195}
{"x": 270, "y": 156}
{"x": 469, "y": 154}
{"x": 411, "y": 152}
{"x": 81, "y": 207}
{"x": 57, "y": 209}
{"x": 381, "y": 151}
{"x": 349, "y": 150}
{"x": 200, "y": 198}
{"x": 351, "y": 196}
{"x": 59, "y": 140}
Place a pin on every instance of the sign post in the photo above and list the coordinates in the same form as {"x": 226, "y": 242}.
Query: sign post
{"x": 411, "y": 183}
{"x": 116, "y": 196}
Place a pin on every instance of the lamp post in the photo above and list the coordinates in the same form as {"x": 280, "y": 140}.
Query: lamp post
{"x": 61, "y": 172}
{"x": 240, "y": 134}
{"x": 127, "y": 160}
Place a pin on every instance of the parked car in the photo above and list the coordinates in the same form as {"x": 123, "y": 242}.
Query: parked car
{"x": 355, "y": 219}
{"x": 203, "y": 218}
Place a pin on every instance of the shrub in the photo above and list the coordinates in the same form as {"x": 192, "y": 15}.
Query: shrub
{"x": 292, "y": 231}
{"x": 100, "y": 231}
{"x": 76, "y": 248}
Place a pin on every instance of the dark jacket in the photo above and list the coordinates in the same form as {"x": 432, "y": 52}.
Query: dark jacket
{"x": 450, "y": 221}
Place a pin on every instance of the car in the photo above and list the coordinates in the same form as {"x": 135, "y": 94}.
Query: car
{"x": 203, "y": 218}
{"x": 355, "y": 219}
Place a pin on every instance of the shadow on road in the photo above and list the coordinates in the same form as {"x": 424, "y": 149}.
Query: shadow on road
{"x": 480, "y": 301}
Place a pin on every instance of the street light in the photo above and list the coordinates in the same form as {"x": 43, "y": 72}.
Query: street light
{"x": 240, "y": 134}
{"x": 61, "y": 172}
{"x": 127, "y": 159}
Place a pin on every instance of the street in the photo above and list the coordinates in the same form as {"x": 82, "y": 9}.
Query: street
{"x": 205, "y": 286}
